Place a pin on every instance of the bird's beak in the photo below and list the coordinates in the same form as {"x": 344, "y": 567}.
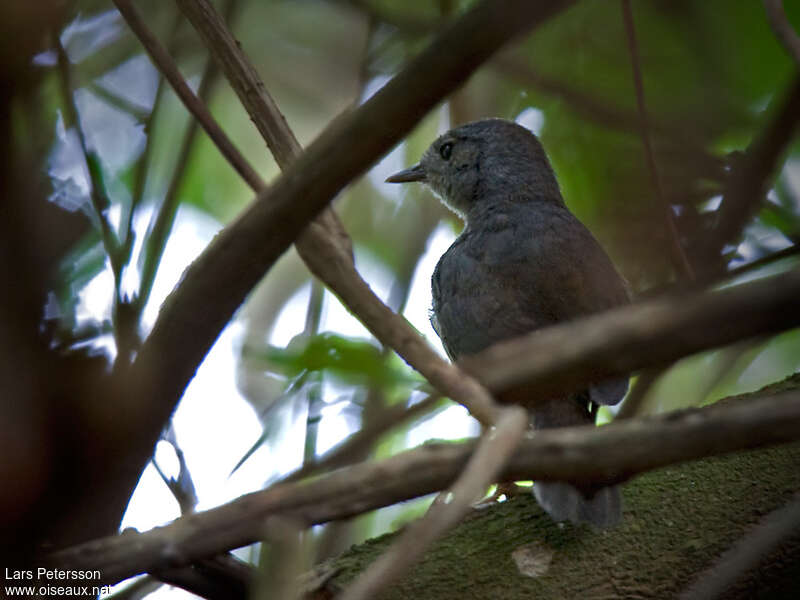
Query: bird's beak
{"x": 415, "y": 173}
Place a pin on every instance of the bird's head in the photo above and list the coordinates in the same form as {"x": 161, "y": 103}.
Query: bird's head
{"x": 481, "y": 162}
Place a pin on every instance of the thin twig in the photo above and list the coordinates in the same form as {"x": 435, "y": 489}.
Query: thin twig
{"x": 119, "y": 102}
{"x": 783, "y": 29}
{"x": 491, "y": 454}
{"x": 167, "y": 67}
{"x": 143, "y": 164}
{"x": 97, "y": 190}
{"x": 182, "y": 486}
{"x": 679, "y": 260}
{"x": 763, "y": 261}
{"x": 775, "y": 528}
{"x": 356, "y": 444}
{"x": 164, "y": 217}
{"x": 588, "y": 454}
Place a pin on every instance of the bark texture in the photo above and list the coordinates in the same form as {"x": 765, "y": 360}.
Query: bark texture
{"x": 676, "y": 522}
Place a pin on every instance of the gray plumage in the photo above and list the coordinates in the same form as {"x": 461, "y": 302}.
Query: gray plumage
{"x": 522, "y": 262}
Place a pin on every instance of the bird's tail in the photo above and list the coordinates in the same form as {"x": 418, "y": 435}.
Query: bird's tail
{"x": 564, "y": 502}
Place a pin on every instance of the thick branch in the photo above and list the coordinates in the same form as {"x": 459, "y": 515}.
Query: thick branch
{"x": 604, "y": 455}
{"x": 644, "y": 334}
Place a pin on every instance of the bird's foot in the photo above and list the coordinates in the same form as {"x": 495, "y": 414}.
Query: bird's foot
{"x": 504, "y": 491}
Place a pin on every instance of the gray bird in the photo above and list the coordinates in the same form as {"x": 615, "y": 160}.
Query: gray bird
{"x": 522, "y": 262}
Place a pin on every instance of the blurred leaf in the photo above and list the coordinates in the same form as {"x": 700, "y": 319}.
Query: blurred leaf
{"x": 349, "y": 360}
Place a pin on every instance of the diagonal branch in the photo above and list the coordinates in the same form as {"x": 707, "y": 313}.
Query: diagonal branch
{"x": 161, "y": 57}
{"x": 215, "y": 285}
{"x": 161, "y": 225}
{"x": 750, "y": 179}
{"x": 603, "y": 455}
{"x": 324, "y": 245}
{"x": 783, "y": 29}
{"x": 645, "y": 334}
{"x": 97, "y": 189}
{"x": 244, "y": 79}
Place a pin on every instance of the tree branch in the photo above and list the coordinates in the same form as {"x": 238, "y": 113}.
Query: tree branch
{"x": 649, "y": 333}
{"x": 677, "y": 521}
{"x": 325, "y": 246}
{"x": 783, "y": 29}
{"x": 602, "y": 455}
{"x": 240, "y": 255}
{"x": 244, "y": 79}
{"x": 167, "y": 67}
{"x": 750, "y": 179}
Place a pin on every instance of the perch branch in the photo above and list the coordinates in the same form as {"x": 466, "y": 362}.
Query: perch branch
{"x": 604, "y": 455}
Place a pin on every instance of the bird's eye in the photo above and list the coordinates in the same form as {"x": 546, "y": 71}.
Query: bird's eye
{"x": 446, "y": 150}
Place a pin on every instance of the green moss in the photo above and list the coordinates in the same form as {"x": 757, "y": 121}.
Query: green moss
{"x": 677, "y": 520}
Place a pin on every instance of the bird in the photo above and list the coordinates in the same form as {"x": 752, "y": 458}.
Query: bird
{"x": 522, "y": 262}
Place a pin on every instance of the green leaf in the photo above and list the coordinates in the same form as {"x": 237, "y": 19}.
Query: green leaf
{"x": 350, "y": 360}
